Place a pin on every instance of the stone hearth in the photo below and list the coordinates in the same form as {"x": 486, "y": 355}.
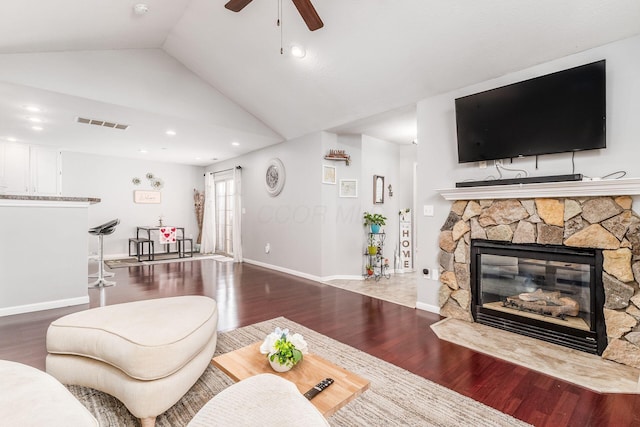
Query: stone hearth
{"x": 606, "y": 223}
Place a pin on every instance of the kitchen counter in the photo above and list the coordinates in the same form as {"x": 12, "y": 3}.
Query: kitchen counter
{"x": 43, "y": 252}
{"x": 90, "y": 200}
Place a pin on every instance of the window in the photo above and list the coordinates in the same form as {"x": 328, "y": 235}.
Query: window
{"x": 224, "y": 193}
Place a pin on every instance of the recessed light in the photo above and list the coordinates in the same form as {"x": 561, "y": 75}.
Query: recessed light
{"x": 171, "y": 132}
{"x": 34, "y": 119}
{"x": 11, "y": 139}
{"x": 143, "y": 151}
{"x": 38, "y": 128}
{"x": 140, "y": 9}
{"x": 298, "y": 51}
{"x": 235, "y": 144}
{"x": 32, "y": 108}
{"x": 197, "y": 158}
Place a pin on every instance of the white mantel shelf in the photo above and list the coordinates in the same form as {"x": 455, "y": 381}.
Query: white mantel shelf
{"x": 609, "y": 187}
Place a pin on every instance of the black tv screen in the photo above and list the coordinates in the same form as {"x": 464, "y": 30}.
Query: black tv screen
{"x": 556, "y": 113}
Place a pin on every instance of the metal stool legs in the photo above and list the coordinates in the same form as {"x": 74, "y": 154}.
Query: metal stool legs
{"x": 101, "y": 282}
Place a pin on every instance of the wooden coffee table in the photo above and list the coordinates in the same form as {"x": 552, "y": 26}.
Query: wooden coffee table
{"x": 248, "y": 361}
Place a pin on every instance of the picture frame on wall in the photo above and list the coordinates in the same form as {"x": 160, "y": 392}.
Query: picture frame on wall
{"x": 147, "y": 197}
{"x": 348, "y": 188}
{"x": 328, "y": 174}
{"x": 378, "y": 189}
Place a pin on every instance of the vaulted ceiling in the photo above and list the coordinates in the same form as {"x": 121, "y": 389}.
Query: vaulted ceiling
{"x": 216, "y": 77}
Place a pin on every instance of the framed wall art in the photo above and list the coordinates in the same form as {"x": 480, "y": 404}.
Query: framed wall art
{"x": 348, "y": 188}
{"x": 328, "y": 174}
{"x": 147, "y": 196}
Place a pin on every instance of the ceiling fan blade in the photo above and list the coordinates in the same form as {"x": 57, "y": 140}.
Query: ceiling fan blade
{"x": 237, "y": 5}
{"x": 309, "y": 14}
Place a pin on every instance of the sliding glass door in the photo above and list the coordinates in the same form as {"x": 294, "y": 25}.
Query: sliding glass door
{"x": 225, "y": 193}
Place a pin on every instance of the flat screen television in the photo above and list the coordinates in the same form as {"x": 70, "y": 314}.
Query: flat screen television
{"x": 555, "y": 113}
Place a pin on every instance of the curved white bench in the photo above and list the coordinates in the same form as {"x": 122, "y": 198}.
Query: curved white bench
{"x": 147, "y": 354}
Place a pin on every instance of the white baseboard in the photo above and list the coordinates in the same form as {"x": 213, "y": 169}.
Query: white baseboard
{"x": 342, "y": 277}
{"x": 47, "y": 305}
{"x": 419, "y": 305}
{"x": 428, "y": 307}
{"x": 283, "y": 270}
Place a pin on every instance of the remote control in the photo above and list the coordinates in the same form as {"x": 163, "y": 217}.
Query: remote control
{"x": 318, "y": 388}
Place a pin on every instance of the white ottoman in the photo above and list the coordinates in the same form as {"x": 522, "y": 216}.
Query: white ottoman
{"x": 30, "y": 397}
{"x": 264, "y": 400}
{"x": 147, "y": 354}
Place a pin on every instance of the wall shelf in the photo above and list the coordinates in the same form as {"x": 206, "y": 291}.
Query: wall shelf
{"x": 608, "y": 187}
{"x": 338, "y": 155}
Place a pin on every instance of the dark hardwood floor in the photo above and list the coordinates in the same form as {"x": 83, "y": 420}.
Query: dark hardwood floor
{"x": 247, "y": 294}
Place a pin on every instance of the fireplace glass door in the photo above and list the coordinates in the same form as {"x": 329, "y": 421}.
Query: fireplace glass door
{"x": 551, "y": 291}
{"x": 547, "y": 292}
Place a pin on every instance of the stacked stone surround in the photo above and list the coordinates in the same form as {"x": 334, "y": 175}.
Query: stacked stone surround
{"x": 606, "y": 223}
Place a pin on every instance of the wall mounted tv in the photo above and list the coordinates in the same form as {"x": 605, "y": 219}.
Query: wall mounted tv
{"x": 555, "y": 113}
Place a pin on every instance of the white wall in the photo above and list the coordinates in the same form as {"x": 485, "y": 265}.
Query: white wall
{"x": 342, "y": 227}
{"x": 311, "y": 230}
{"x": 290, "y": 222}
{"x": 437, "y": 156}
{"x": 110, "y": 179}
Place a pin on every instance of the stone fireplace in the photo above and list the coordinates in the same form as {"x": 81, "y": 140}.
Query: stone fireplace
{"x": 605, "y": 225}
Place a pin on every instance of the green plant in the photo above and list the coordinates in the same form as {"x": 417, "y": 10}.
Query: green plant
{"x": 286, "y": 353}
{"x": 284, "y": 348}
{"x": 376, "y": 219}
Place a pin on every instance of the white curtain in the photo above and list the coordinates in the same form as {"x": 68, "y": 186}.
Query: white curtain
{"x": 237, "y": 215}
{"x": 208, "y": 244}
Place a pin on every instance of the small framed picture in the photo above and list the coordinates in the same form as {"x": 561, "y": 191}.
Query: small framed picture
{"x": 328, "y": 174}
{"x": 378, "y": 189}
{"x": 348, "y": 188}
{"x": 142, "y": 196}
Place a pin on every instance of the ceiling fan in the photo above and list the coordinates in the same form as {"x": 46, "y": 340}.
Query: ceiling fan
{"x": 306, "y": 9}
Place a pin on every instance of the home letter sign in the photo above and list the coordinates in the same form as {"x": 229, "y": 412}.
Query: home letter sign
{"x": 406, "y": 241}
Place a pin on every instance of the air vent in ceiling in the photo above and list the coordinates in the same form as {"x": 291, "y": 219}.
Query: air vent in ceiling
{"x": 101, "y": 123}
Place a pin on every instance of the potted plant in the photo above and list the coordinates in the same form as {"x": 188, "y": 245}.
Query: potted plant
{"x": 283, "y": 350}
{"x": 369, "y": 270}
{"x": 372, "y": 248}
{"x": 374, "y": 221}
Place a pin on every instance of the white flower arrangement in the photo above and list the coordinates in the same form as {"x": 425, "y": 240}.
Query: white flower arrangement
{"x": 285, "y": 348}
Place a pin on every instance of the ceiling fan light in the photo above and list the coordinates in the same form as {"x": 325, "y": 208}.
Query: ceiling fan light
{"x": 298, "y": 51}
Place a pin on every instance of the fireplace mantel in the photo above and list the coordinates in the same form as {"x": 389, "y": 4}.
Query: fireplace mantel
{"x": 609, "y": 187}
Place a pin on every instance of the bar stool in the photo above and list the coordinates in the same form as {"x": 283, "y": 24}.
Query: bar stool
{"x": 101, "y": 231}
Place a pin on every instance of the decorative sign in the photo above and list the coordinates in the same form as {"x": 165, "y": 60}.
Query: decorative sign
{"x": 146, "y": 196}
{"x": 406, "y": 241}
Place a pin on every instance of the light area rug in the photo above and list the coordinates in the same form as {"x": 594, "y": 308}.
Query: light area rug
{"x": 396, "y": 397}
{"x": 163, "y": 259}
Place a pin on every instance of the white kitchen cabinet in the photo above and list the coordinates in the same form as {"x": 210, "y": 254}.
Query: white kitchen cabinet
{"x": 29, "y": 169}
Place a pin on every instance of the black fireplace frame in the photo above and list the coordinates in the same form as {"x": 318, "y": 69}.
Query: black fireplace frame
{"x": 593, "y": 341}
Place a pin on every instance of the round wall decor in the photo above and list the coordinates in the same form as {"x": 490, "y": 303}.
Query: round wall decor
{"x": 274, "y": 177}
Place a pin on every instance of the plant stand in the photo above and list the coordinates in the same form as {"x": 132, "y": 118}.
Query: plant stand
{"x": 376, "y": 261}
